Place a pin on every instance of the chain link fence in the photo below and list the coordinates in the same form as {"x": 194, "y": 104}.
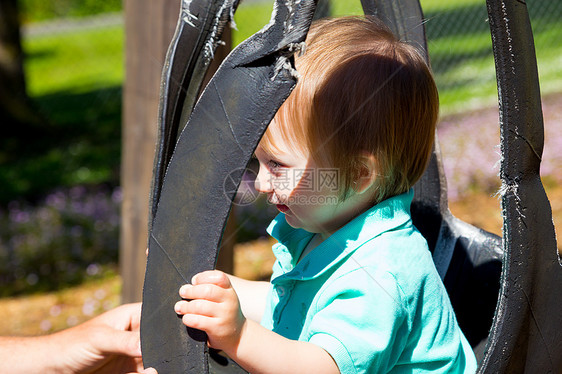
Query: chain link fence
{"x": 459, "y": 45}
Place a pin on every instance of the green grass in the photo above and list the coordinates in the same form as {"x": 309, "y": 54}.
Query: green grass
{"x": 251, "y": 17}
{"x": 74, "y": 80}
{"x": 74, "y": 61}
{"x": 40, "y": 10}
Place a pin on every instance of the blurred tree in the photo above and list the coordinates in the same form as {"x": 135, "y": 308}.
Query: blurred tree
{"x": 17, "y": 114}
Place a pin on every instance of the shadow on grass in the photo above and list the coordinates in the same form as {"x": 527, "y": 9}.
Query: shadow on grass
{"x": 78, "y": 143}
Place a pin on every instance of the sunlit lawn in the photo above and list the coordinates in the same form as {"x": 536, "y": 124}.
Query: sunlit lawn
{"x": 51, "y": 311}
{"x": 75, "y": 61}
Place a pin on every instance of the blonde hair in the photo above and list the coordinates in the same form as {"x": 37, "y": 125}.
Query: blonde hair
{"x": 361, "y": 91}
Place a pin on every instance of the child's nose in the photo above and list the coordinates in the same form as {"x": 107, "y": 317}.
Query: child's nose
{"x": 263, "y": 182}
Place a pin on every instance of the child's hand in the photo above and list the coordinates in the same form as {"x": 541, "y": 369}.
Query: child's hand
{"x": 212, "y": 305}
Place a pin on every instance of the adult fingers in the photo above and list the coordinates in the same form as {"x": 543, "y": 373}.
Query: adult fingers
{"x": 110, "y": 341}
{"x": 124, "y": 317}
{"x": 146, "y": 371}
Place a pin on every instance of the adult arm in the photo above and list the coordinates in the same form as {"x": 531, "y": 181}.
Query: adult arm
{"x": 108, "y": 343}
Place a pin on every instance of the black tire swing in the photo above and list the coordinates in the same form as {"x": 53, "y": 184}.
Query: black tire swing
{"x": 504, "y": 291}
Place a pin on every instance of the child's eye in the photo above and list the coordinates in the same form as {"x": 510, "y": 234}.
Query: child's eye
{"x": 272, "y": 164}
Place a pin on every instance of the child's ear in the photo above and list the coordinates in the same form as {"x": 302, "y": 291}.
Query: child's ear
{"x": 366, "y": 173}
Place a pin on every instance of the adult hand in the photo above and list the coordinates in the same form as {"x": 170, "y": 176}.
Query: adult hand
{"x": 109, "y": 343}
{"x": 211, "y": 304}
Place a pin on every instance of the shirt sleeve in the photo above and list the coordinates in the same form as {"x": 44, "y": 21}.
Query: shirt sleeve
{"x": 362, "y": 321}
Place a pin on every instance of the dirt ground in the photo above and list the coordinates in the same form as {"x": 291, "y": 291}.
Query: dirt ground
{"x": 488, "y": 215}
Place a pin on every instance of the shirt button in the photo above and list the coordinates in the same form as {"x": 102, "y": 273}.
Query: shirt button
{"x": 281, "y": 291}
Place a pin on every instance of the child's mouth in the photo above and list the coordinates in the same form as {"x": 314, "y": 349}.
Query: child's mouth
{"x": 282, "y": 208}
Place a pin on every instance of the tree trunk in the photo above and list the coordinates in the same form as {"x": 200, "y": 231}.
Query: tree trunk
{"x": 16, "y": 112}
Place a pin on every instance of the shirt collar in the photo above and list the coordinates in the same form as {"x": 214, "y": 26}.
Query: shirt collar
{"x": 385, "y": 216}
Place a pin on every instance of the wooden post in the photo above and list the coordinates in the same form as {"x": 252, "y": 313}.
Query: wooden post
{"x": 149, "y": 27}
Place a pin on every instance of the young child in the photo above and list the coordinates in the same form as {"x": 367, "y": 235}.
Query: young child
{"x": 354, "y": 288}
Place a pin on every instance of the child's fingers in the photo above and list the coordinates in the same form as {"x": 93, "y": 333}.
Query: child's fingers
{"x": 211, "y": 276}
{"x": 197, "y": 321}
{"x": 196, "y": 307}
{"x": 206, "y": 291}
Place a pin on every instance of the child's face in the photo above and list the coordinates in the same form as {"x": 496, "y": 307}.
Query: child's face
{"x": 308, "y": 195}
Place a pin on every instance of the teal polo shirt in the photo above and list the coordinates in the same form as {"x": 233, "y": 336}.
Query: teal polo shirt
{"x": 369, "y": 295}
